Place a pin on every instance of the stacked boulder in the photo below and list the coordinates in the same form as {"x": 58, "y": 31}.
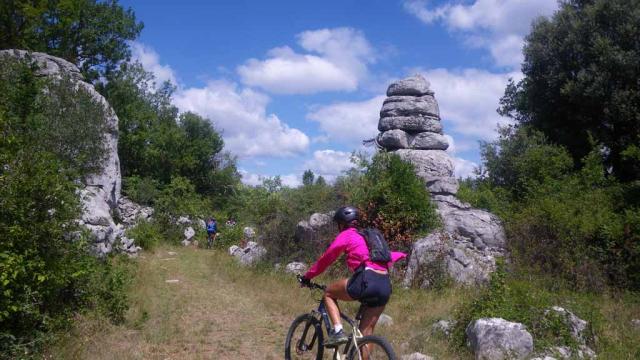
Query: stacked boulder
{"x": 410, "y": 126}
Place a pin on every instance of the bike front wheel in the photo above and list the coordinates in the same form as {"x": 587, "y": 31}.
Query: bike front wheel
{"x": 372, "y": 347}
{"x": 304, "y": 339}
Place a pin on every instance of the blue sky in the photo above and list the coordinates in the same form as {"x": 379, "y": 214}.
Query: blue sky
{"x": 297, "y": 85}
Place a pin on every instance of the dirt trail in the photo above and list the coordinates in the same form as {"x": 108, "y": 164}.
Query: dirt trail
{"x": 196, "y": 304}
{"x": 188, "y": 303}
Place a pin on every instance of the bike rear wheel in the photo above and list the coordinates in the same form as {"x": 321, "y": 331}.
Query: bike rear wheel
{"x": 304, "y": 339}
{"x": 372, "y": 347}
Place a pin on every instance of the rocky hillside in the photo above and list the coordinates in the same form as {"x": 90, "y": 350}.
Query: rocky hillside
{"x": 100, "y": 193}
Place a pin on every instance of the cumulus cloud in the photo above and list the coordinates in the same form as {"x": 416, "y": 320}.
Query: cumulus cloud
{"x": 241, "y": 115}
{"x": 349, "y": 122}
{"x": 150, "y": 61}
{"x": 468, "y": 100}
{"x": 334, "y": 60}
{"x": 252, "y": 179}
{"x": 329, "y": 163}
{"x": 463, "y": 168}
{"x": 496, "y": 25}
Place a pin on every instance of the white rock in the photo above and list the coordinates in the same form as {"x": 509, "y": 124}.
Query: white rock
{"x": 102, "y": 189}
{"x": 429, "y": 141}
{"x": 385, "y": 320}
{"x": 410, "y": 106}
{"x": 576, "y": 325}
{"x": 443, "y": 327}
{"x": 479, "y": 226}
{"x": 185, "y": 242}
{"x": 635, "y": 323}
{"x": 428, "y": 164}
{"x": 172, "y": 281}
{"x": 183, "y": 220}
{"x": 189, "y": 233}
{"x": 442, "y": 185}
{"x": 250, "y": 255}
{"x": 249, "y": 233}
{"x": 445, "y": 253}
{"x": 416, "y": 356}
{"x": 296, "y": 268}
{"x": 394, "y": 139}
{"x": 496, "y": 339}
{"x": 415, "y": 85}
{"x": 202, "y": 224}
{"x": 415, "y": 123}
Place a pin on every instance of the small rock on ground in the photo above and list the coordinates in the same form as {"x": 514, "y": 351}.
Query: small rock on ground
{"x": 172, "y": 281}
{"x": 385, "y": 320}
{"x": 416, "y": 356}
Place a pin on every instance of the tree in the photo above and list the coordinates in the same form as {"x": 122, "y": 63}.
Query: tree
{"x": 320, "y": 181}
{"x": 91, "y": 34}
{"x": 307, "y": 178}
{"x": 580, "y": 82}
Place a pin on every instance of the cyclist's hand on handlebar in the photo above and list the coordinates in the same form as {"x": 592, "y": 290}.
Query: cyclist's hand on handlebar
{"x": 304, "y": 282}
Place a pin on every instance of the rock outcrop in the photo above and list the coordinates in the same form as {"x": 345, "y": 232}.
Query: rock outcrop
{"x": 101, "y": 191}
{"x": 315, "y": 232}
{"x": 410, "y": 127}
{"x": 249, "y": 255}
{"x": 496, "y": 339}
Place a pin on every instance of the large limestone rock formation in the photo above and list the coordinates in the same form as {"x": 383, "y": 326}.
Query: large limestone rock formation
{"x": 410, "y": 126}
{"x": 101, "y": 191}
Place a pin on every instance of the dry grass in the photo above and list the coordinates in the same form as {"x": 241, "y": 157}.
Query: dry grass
{"x": 219, "y": 310}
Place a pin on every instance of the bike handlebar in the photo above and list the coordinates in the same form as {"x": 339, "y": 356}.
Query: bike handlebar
{"x": 310, "y": 285}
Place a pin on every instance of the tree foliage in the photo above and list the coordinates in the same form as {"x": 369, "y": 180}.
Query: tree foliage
{"x": 577, "y": 225}
{"x": 581, "y": 81}
{"x": 157, "y": 143}
{"x": 307, "y": 177}
{"x": 89, "y": 33}
{"x": 46, "y": 270}
{"x": 393, "y": 199}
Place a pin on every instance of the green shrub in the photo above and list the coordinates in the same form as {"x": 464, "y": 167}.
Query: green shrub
{"x": 46, "y": 269}
{"x": 394, "y": 199}
{"x": 141, "y": 190}
{"x": 180, "y": 198}
{"x": 228, "y": 235}
{"x": 522, "y": 300}
{"x": 146, "y": 234}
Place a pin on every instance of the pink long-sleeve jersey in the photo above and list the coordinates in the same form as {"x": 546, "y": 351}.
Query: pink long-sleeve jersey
{"x": 355, "y": 246}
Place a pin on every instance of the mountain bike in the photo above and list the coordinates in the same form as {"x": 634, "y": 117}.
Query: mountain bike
{"x": 305, "y": 339}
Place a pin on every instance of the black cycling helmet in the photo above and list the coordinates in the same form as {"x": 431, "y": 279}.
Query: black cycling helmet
{"x": 346, "y": 214}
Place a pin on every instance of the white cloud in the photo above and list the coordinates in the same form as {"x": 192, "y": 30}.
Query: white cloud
{"x": 468, "y": 100}
{"x": 151, "y": 62}
{"x": 252, "y": 179}
{"x": 335, "y": 59}
{"x": 291, "y": 180}
{"x": 241, "y": 115}
{"x": 349, "y": 122}
{"x": 329, "y": 163}
{"x": 497, "y": 25}
{"x": 463, "y": 168}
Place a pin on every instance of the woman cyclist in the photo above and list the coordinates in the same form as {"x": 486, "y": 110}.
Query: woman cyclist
{"x": 369, "y": 284}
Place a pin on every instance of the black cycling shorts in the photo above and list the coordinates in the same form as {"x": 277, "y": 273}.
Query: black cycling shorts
{"x": 369, "y": 287}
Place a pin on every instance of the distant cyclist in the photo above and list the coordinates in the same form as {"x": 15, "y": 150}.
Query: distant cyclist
{"x": 369, "y": 284}
{"x": 212, "y": 231}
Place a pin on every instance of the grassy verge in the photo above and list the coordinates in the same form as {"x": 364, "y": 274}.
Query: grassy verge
{"x": 218, "y": 309}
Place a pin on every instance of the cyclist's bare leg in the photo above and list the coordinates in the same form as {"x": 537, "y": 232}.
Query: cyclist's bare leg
{"x": 369, "y": 319}
{"x": 367, "y": 325}
{"x": 335, "y": 291}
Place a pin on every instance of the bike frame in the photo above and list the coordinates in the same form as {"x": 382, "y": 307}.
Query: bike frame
{"x": 321, "y": 314}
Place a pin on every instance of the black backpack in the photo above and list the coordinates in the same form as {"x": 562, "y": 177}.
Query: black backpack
{"x": 378, "y": 248}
